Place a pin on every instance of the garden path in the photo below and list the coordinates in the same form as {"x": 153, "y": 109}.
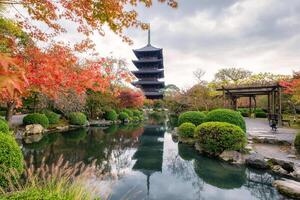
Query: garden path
{"x": 260, "y": 127}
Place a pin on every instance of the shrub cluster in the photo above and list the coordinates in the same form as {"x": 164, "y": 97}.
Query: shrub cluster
{"x": 4, "y": 126}
{"x": 36, "y": 118}
{"x": 226, "y": 115}
{"x": 244, "y": 112}
{"x": 297, "y": 142}
{"x": 111, "y": 115}
{"x": 11, "y": 158}
{"x": 194, "y": 117}
{"x": 186, "y": 130}
{"x": 123, "y": 116}
{"x": 216, "y": 137}
{"x": 77, "y": 118}
{"x": 259, "y": 113}
{"x": 128, "y": 111}
{"x": 52, "y": 116}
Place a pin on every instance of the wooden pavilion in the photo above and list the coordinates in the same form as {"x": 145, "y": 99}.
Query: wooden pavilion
{"x": 272, "y": 91}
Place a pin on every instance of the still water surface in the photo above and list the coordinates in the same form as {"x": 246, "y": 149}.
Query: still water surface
{"x": 150, "y": 164}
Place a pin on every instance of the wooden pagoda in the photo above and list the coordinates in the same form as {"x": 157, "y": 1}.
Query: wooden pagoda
{"x": 150, "y": 68}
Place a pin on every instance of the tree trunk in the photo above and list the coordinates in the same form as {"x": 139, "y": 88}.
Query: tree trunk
{"x": 10, "y": 110}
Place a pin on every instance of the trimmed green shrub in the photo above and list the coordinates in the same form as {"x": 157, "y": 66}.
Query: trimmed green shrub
{"x": 260, "y": 114}
{"x": 11, "y": 158}
{"x": 226, "y": 115}
{"x": 123, "y": 116}
{"x": 136, "y": 119}
{"x": 128, "y": 111}
{"x": 77, "y": 118}
{"x": 36, "y": 118}
{"x": 244, "y": 112}
{"x": 216, "y": 137}
{"x": 111, "y": 115}
{"x": 186, "y": 129}
{"x": 52, "y": 116}
{"x": 4, "y": 126}
{"x": 194, "y": 117}
{"x": 297, "y": 142}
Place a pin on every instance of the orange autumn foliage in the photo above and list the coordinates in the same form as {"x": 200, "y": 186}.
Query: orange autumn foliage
{"x": 86, "y": 16}
{"x": 131, "y": 99}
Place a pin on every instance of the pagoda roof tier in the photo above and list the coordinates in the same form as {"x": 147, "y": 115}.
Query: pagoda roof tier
{"x": 149, "y": 63}
{"x": 143, "y": 84}
{"x": 148, "y": 50}
{"x": 144, "y": 73}
{"x": 153, "y": 95}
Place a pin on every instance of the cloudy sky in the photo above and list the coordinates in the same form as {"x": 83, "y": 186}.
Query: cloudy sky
{"x": 258, "y": 35}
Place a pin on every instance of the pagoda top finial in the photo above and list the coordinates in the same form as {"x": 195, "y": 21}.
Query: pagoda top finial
{"x": 149, "y": 35}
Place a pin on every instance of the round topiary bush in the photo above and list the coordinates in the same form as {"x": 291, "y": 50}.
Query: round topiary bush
{"x": 194, "y": 117}
{"x": 297, "y": 142}
{"x": 77, "y": 118}
{"x": 52, "y": 116}
{"x": 111, "y": 115}
{"x": 11, "y": 158}
{"x": 36, "y": 118}
{"x": 4, "y": 126}
{"x": 226, "y": 115}
{"x": 123, "y": 116}
{"x": 216, "y": 137}
{"x": 186, "y": 130}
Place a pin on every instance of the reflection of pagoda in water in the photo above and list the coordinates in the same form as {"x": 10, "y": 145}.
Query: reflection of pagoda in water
{"x": 149, "y": 154}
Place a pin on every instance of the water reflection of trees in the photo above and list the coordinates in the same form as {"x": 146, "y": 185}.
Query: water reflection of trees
{"x": 219, "y": 174}
{"x": 259, "y": 183}
{"x": 181, "y": 165}
{"x": 109, "y": 147}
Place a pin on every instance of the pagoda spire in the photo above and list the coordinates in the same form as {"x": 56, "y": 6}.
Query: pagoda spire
{"x": 149, "y": 35}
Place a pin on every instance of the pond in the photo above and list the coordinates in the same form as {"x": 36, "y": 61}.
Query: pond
{"x": 150, "y": 164}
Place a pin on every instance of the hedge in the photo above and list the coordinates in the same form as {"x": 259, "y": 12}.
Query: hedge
{"x": 194, "y": 117}
{"x": 4, "y": 126}
{"x": 77, "y": 118}
{"x": 52, "y": 116}
{"x": 11, "y": 158}
{"x": 186, "y": 130}
{"x": 260, "y": 114}
{"x": 36, "y": 118}
{"x": 216, "y": 137}
{"x": 226, "y": 115}
{"x": 111, "y": 115}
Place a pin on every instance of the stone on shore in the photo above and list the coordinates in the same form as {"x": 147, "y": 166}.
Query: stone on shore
{"x": 33, "y": 129}
{"x": 233, "y": 157}
{"x": 257, "y": 161}
{"x": 288, "y": 188}
{"x": 279, "y": 170}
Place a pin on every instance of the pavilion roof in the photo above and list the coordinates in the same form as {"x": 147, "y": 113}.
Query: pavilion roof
{"x": 249, "y": 89}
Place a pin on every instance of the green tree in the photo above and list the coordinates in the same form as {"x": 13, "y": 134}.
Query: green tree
{"x": 232, "y": 75}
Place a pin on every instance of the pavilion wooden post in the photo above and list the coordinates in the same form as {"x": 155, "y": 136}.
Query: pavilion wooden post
{"x": 269, "y": 105}
{"x": 254, "y": 99}
{"x": 224, "y": 97}
{"x": 250, "y": 106}
{"x": 279, "y": 106}
{"x": 273, "y": 102}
